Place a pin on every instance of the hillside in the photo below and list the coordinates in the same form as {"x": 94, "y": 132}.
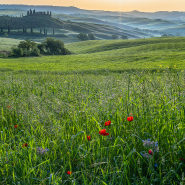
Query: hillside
{"x": 71, "y": 29}
{"x": 138, "y": 22}
{"x": 154, "y": 53}
{"x": 105, "y": 45}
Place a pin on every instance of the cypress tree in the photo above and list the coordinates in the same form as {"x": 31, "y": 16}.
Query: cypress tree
{"x": 44, "y": 32}
{"x": 31, "y": 30}
{"x": 1, "y": 29}
{"x": 53, "y": 31}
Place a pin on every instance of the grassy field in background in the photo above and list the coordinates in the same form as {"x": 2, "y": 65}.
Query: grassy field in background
{"x": 154, "y": 53}
{"x": 55, "y": 102}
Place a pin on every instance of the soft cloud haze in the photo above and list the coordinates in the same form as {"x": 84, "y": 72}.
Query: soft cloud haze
{"x": 112, "y": 5}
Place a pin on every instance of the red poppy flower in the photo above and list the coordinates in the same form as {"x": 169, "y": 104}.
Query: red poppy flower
{"x": 74, "y": 160}
{"x": 103, "y": 132}
{"x": 182, "y": 159}
{"x": 88, "y": 137}
{"x": 25, "y": 144}
{"x": 107, "y": 123}
{"x": 69, "y": 172}
{"x": 15, "y": 126}
{"x": 120, "y": 97}
{"x": 150, "y": 152}
{"x": 8, "y": 106}
{"x": 130, "y": 118}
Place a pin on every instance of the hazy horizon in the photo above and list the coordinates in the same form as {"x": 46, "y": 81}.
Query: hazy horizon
{"x": 108, "y": 5}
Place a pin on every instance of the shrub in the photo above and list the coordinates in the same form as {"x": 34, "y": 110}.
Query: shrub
{"x": 91, "y": 36}
{"x": 41, "y": 47}
{"x": 35, "y": 51}
{"x": 124, "y": 37}
{"x": 114, "y": 37}
{"x": 18, "y": 52}
{"x": 82, "y": 36}
{"x": 53, "y": 44}
{"x": 27, "y": 44}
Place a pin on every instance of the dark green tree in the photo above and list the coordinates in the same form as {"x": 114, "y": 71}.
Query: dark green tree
{"x": 91, "y": 36}
{"x": 27, "y": 44}
{"x": 53, "y": 44}
{"x": 82, "y": 36}
{"x": 41, "y": 47}
{"x": 18, "y": 52}
{"x": 35, "y": 51}
{"x": 114, "y": 37}
{"x": 124, "y": 37}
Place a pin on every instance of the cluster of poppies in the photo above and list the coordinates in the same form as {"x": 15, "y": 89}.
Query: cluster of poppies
{"x": 101, "y": 132}
{"x": 107, "y": 123}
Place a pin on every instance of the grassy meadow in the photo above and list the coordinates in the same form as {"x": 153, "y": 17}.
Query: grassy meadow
{"x": 50, "y": 105}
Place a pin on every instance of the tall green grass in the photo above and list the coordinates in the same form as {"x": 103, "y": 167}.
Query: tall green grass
{"x": 59, "y": 111}
{"x": 57, "y": 101}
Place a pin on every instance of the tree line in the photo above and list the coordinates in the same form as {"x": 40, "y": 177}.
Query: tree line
{"x": 90, "y": 36}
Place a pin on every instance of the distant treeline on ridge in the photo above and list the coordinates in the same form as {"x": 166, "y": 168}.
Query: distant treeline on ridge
{"x": 33, "y": 13}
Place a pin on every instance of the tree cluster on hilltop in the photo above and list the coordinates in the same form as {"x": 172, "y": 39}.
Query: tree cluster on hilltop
{"x": 49, "y": 47}
{"x": 84, "y": 36}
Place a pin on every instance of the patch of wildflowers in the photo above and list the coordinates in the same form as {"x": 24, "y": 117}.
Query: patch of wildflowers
{"x": 152, "y": 144}
{"x": 25, "y": 145}
{"x": 103, "y": 132}
{"x": 107, "y": 123}
{"x": 88, "y": 137}
{"x": 15, "y": 126}
{"x": 130, "y": 118}
{"x": 41, "y": 150}
{"x": 150, "y": 152}
{"x": 69, "y": 172}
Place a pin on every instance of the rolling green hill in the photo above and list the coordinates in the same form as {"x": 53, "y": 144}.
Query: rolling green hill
{"x": 106, "y": 45}
{"x": 108, "y": 55}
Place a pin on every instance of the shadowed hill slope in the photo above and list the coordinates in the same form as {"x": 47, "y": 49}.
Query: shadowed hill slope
{"x": 107, "y": 45}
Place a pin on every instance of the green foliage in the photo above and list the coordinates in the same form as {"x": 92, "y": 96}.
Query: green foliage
{"x": 35, "y": 51}
{"x": 114, "y": 36}
{"x": 27, "y": 44}
{"x": 82, "y": 36}
{"x": 57, "y": 111}
{"x": 53, "y": 45}
{"x": 91, "y": 36}
{"x": 18, "y": 52}
{"x": 124, "y": 37}
{"x": 41, "y": 47}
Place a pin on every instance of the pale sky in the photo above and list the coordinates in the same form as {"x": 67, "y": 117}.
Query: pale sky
{"x": 110, "y": 5}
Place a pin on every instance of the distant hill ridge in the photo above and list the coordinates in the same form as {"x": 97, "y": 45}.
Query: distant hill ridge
{"x": 173, "y": 15}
